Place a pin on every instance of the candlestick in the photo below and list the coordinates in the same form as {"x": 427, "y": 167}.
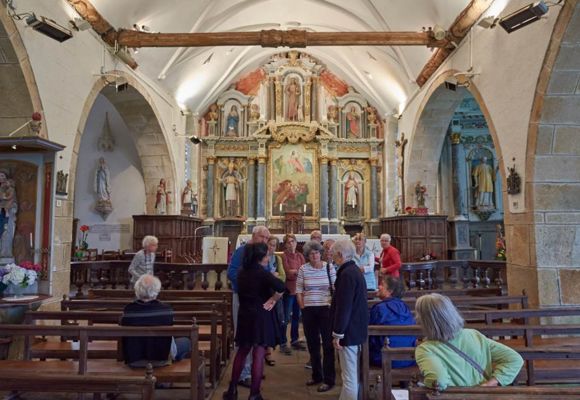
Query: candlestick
{"x": 304, "y": 208}
{"x": 353, "y": 206}
{"x": 280, "y": 207}
{"x": 31, "y": 243}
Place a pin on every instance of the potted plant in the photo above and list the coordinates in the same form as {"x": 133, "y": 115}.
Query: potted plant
{"x": 17, "y": 280}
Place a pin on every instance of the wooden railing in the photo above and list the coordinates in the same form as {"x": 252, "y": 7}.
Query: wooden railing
{"x": 454, "y": 274}
{"x": 114, "y": 274}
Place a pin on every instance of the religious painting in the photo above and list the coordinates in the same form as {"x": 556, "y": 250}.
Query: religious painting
{"x": 482, "y": 177}
{"x": 232, "y": 113}
{"x": 293, "y": 179}
{"x": 18, "y": 196}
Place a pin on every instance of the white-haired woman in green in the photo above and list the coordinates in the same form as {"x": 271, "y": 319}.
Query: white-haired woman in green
{"x": 453, "y": 355}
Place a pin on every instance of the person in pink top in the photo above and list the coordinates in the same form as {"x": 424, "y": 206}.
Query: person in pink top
{"x": 292, "y": 262}
{"x": 390, "y": 257}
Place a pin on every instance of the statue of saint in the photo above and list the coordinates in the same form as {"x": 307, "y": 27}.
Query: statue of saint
{"x": 292, "y": 100}
{"x": 483, "y": 184}
{"x": 352, "y": 123}
{"x": 351, "y": 191}
{"x": 232, "y": 122}
{"x": 187, "y": 199}
{"x": 254, "y": 112}
{"x": 162, "y": 198}
{"x": 231, "y": 180}
{"x": 332, "y": 114}
{"x": 212, "y": 114}
{"x": 8, "y": 210}
{"x": 103, "y": 181}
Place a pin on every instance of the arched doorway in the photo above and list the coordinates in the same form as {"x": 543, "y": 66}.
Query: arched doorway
{"x": 453, "y": 152}
{"x": 137, "y": 160}
{"x": 17, "y": 84}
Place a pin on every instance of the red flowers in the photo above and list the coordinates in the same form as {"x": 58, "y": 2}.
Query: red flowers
{"x": 84, "y": 228}
{"x": 31, "y": 266}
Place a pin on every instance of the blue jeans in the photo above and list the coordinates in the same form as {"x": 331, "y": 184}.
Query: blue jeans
{"x": 291, "y": 310}
{"x": 183, "y": 345}
{"x": 348, "y": 359}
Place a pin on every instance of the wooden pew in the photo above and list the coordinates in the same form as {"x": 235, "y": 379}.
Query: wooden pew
{"x": 497, "y": 393}
{"x": 225, "y": 295}
{"x": 473, "y": 302}
{"x": 107, "y": 350}
{"x": 185, "y": 371}
{"x": 24, "y": 381}
{"x": 528, "y": 351}
{"x": 481, "y": 292}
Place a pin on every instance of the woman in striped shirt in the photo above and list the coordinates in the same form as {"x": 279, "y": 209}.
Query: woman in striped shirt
{"x": 314, "y": 287}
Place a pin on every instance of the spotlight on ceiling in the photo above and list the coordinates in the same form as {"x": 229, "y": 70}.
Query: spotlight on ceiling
{"x": 49, "y": 28}
{"x": 195, "y": 140}
{"x": 488, "y": 22}
{"x": 80, "y": 24}
{"x": 439, "y": 33}
{"x": 524, "y": 16}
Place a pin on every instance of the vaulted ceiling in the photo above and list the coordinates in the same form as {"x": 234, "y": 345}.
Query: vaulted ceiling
{"x": 196, "y": 76}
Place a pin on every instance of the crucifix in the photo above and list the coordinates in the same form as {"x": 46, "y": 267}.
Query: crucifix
{"x": 400, "y": 146}
{"x": 215, "y": 248}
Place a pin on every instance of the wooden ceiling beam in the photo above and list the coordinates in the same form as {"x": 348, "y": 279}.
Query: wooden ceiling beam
{"x": 274, "y": 38}
{"x": 100, "y": 25}
{"x": 457, "y": 32}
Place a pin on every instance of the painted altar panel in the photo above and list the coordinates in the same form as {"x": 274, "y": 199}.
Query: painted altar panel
{"x": 293, "y": 179}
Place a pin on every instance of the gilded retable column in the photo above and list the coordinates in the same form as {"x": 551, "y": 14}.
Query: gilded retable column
{"x": 374, "y": 190}
{"x": 251, "y": 189}
{"x": 332, "y": 200}
{"x": 324, "y": 194}
{"x": 261, "y": 206}
{"x": 210, "y": 186}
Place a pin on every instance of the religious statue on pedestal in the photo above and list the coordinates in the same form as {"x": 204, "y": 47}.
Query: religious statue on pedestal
{"x": 352, "y": 123}
{"x": 102, "y": 189}
{"x": 292, "y": 100}
{"x": 254, "y": 112}
{"x": 162, "y": 198}
{"x": 231, "y": 181}
{"x": 8, "y": 211}
{"x": 187, "y": 199}
{"x": 483, "y": 184}
{"x": 352, "y": 196}
{"x": 232, "y": 122}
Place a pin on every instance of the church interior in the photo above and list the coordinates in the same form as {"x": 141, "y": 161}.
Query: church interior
{"x": 452, "y": 126}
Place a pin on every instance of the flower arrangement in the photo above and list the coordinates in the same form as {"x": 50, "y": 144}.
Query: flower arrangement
{"x": 410, "y": 210}
{"x": 500, "y": 244}
{"x": 83, "y": 239}
{"x": 429, "y": 256}
{"x": 21, "y": 276}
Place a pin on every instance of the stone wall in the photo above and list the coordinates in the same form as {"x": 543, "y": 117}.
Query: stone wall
{"x": 556, "y": 182}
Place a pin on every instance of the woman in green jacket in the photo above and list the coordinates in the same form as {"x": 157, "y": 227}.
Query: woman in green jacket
{"x": 454, "y": 356}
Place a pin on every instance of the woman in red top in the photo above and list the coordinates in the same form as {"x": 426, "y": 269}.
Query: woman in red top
{"x": 292, "y": 262}
{"x": 390, "y": 257}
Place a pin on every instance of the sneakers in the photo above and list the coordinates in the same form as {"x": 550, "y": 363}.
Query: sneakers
{"x": 298, "y": 345}
{"x": 284, "y": 349}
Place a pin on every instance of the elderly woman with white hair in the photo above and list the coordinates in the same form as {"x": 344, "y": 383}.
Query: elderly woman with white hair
{"x": 452, "y": 355}
{"x": 146, "y": 310}
{"x": 144, "y": 259}
{"x": 390, "y": 258}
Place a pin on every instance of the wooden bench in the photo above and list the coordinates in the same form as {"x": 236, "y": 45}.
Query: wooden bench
{"x": 222, "y": 295}
{"x": 24, "y": 381}
{"x": 473, "y": 302}
{"x": 497, "y": 393}
{"x": 186, "y": 371}
{"x": 210, "y": 340}
{"x": 563, "y": 372}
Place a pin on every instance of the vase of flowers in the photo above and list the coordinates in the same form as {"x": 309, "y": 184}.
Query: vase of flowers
{"x": 17, "y": 280}
{"x": 83, "y": 245}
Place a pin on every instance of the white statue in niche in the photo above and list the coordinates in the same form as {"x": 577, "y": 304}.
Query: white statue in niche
{"x": 8, "y": 211}
{"x": 102, "y": 188}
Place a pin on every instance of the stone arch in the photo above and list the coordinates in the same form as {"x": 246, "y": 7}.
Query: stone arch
{"x": 17, "y": 79}
{"x": 430, "y": 129}
{"x": 553, "y": 169}
{"x": 142, "y": 118}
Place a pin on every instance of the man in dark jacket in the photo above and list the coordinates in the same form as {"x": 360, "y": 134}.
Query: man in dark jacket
{"x": 350, "y": 317}
{"x": 391, "y": 311}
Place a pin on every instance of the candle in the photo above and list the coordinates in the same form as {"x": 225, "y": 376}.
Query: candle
{"x": 304, "y": 208}
{"x": 280, "y": 207}
{"x": 31, "y": 244}
{"x": 353, "y": 206}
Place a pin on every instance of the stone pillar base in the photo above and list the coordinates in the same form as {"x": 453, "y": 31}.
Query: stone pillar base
{"x": 334, "y": 226}
{"x": 460, "y": 248}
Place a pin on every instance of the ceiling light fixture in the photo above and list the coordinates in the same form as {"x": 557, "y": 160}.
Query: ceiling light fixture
{"x": 524, "y": 16}
{"x": 439, "y": 33}
{"x": 49, "y": 27}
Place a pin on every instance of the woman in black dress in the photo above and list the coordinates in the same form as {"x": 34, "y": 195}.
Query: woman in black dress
{"x": 258, "y": 327}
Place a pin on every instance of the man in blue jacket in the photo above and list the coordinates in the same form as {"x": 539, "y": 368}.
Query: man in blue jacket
{"x": 260, "y": 234}
{"x": 349, "y": 316}
{"x": 391, "y": 311}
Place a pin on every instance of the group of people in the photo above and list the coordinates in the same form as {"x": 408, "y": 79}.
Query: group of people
{"x": 326, "y": 286}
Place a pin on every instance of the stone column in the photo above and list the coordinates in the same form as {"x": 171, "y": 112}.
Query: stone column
{"x": 261, "y": 205}
{"x": 374, "y": 190}
{"x": 210, "y": 187}
{"x": 251, "y": 190}
{"x": 459, "y": 222}
{"x": 324, "y": 194}
{"x": 332, "y": 198}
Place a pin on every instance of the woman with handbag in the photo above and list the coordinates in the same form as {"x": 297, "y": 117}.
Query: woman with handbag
{"x": 455, "y": 356}
{"x": 314, "y": 289}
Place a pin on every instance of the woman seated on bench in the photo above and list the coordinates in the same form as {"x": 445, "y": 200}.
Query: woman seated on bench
{"x": 454, "y": 356}
{"x": 391, "y": 311}
{"x": 148, "y": 311}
